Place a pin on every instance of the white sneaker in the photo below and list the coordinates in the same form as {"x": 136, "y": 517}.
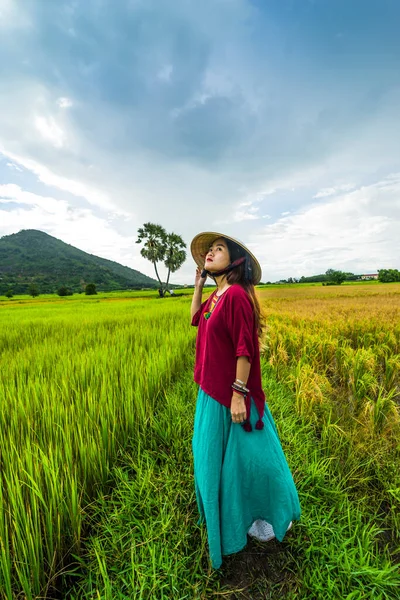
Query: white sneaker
{"x": 263, "y": 531}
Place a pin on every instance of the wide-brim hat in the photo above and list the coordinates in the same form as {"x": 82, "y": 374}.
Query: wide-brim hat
{"x": 202, "y": 241}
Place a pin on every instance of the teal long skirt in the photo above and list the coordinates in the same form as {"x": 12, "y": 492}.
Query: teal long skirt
{"x": 239, "y": 477}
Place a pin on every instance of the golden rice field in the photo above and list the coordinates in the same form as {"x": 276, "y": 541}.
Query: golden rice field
{"x": 342, "y": 345}
{"x": 97, "y": 403}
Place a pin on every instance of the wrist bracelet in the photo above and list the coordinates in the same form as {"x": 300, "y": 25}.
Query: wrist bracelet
{"x": 240, "y": 388}
{"x": 243, "y": 394}
{"x": 240, "y": 381}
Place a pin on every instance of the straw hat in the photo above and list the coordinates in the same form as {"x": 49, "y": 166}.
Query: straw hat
{"x": 202, "y": 241}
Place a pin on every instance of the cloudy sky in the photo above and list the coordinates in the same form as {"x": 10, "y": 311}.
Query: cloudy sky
{"x": 275, "y": 121}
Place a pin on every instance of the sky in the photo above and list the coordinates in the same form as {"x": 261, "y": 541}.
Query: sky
{"x": 276, "y": 122}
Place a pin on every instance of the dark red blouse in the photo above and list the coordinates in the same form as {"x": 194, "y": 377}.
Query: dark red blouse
{"x": 229, "y": 332}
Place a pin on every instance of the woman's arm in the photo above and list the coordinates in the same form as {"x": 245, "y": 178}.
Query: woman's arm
{"x": 240, "y": 320}
{"x": 243, "y": 366}
{"x": 198, "y": 293}
{"x": 238, "y": 408}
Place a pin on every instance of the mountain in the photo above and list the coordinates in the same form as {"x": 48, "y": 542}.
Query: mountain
{"x": 32, "y": 256}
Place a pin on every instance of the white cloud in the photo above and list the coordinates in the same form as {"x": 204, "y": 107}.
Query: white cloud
{"x": 64, "y": 102}
{"x": 11, "y": 193}
{"x": 243, "y": 215}
{"x": 286, "y": 131}
{"x": 50, "y": 130}
{"x": 325, "y": 192}
{"x": 13, "y": 166}
{"x": 46, "y": 176}
{"x": 11, "y": 15}
{"x": 357, "y": 232}
{"x": 76, "y": 226}
{"x": 244, "y": 211}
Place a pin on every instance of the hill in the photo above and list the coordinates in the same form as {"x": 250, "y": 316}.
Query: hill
{"x": 32, "y": 256}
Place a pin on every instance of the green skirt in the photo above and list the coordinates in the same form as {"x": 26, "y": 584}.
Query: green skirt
{"x": 239, "y": 477}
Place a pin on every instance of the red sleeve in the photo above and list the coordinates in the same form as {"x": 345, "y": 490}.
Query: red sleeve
{"x": 240, "y": 322}
{"x": 196, "y": 317}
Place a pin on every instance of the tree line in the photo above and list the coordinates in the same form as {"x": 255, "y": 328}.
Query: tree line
{"x": 170, "y": 249}
{"x": 335, "y": 277}
{"x": 389, "y": 275}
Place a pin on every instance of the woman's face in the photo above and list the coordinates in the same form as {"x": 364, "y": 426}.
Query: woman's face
{"x": 217, "y": 257}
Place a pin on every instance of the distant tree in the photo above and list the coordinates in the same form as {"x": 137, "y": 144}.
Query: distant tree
{"x": 160, "y": 246}
{"x": 351, "y": 277}
{"x": 33, "y": 290}
{"x": 154, "y": 237}
{"x": 9, "y": 294}
{"x": 336, "y": 277}
{"x": 90, "y": 289}
{"x": 175, "y": 254}
{"x": 64, "y": 291}
{"x": 388, "y": 275}
{"x": 312, "y": 279}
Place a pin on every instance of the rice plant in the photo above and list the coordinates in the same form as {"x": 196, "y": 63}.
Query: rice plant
{"x": 79, "y": 381}
{"x": 85, "y": 384}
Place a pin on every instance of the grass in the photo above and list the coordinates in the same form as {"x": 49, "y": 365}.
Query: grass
{"x": 78, "y": 382}
{"x": 96, "y": 494}
{"x": 145, "y": 542}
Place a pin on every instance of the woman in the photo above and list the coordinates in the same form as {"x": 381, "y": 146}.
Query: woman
{"x": 242, "y": 480}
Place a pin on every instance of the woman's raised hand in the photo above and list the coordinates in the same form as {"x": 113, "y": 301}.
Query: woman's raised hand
{"x": 199, "y": 280}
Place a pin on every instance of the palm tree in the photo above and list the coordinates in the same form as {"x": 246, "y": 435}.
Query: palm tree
{"x": 162, "y": 246}
{"x": 154, "y": 245}
{"x": 175, "y": 254}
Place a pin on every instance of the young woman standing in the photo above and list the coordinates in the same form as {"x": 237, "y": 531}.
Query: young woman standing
{"x": 242, "y": 480}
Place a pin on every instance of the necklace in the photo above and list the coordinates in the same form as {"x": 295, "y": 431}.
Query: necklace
{"x": 213, "y": 304}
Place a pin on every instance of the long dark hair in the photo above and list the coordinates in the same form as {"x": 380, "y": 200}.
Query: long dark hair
{"x": 237, "y": 275}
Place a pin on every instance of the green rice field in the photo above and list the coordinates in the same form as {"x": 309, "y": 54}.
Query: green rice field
{"x": 97, "y": 405}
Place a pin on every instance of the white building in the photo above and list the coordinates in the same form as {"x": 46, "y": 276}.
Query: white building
{"x": 370, "y": 276}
